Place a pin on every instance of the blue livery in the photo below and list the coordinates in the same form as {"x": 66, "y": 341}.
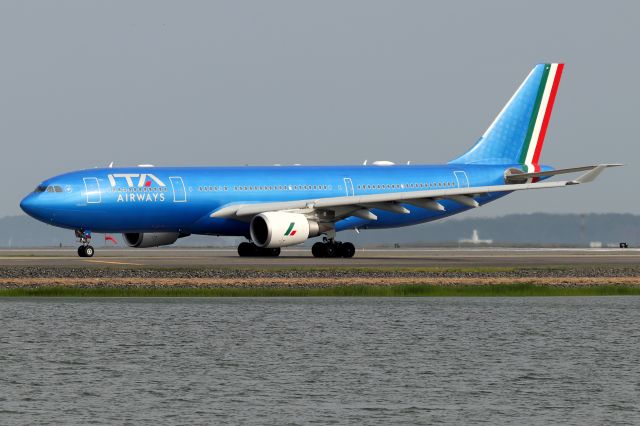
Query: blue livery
{"x": 277, "y": 206}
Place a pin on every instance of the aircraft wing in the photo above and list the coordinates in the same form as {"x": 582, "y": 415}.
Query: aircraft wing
{"x": 360, "y": 205}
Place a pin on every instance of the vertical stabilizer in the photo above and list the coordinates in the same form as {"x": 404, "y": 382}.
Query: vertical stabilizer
{"x": 517, "y": 133}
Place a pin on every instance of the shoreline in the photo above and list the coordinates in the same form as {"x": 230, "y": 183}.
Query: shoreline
{"x": 312, "y": 282}
{"x": 567, "y": 280}
{"x": 485, "y": 290}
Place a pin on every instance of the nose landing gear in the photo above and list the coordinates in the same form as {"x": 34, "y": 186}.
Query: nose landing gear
{"x": 86, "y": 249}
{"x": 332, "y": 248}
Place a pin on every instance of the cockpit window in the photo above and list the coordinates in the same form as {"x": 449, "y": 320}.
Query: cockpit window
{"x": 50, "y": 188}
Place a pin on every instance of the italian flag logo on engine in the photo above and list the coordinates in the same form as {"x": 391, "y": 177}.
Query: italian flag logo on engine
{"x": 290, "y": 232}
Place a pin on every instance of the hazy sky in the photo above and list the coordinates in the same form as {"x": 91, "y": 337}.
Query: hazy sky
{"x": 84, "y": 83}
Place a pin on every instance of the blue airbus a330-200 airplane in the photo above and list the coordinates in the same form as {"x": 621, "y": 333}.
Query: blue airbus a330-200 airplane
{"x": 275, "y": 207}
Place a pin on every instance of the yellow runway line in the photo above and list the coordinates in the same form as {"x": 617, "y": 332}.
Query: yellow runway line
{"x": 32, "y": 258}
{"x": 112, "y": 263}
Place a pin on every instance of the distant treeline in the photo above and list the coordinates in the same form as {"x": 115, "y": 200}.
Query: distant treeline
{"x": 535, "y": 229}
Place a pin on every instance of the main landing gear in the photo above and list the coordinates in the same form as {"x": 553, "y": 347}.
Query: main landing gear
{"x": 332, "y": 248}
{"x": 86, "y": 249}
{"x": 327, "y": 248}
{"x": 252, "y": 250}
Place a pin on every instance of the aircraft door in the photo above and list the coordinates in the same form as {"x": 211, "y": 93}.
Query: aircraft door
{"x": 461, "y": 177}
{"x": 348, "y": 186}
{"x": 92, "y": 190}
{"x": 179, "y": 192}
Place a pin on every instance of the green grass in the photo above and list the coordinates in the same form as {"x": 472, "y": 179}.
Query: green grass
{"x": 510, "y": 290}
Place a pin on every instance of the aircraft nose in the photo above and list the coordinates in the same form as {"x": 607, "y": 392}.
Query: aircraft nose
{"x": 29, "y": 205}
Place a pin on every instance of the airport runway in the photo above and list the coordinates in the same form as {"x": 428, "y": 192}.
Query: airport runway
{"x": 384, "y": 258}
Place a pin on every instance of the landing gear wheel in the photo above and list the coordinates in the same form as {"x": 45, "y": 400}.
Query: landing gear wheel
{"x": 329, "y": 250}
{"x": 251, "y": 250}
{"x": 333, "y": 249}
{"x": 347, "y": 250}
{"x": 247, "y": 249}
{"x": 317, "y": 250}
{"x": 86, "y": 251}
{"x": 273, "y": 252}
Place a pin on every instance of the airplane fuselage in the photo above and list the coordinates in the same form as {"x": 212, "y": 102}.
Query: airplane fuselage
{"x": 181, "y": 199}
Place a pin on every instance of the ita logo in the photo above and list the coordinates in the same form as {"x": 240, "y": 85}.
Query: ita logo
{"x": 140, "y": 187}
{"x": 136, "y": 179}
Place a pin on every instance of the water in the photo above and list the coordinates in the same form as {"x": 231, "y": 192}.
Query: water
{"x": 299, "y": 361}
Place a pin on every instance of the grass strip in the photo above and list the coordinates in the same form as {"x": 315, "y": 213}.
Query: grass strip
{"x": 502, "y": 290}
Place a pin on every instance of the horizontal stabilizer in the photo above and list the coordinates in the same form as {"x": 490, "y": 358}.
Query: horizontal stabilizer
{"x": 515, "y": 177}
{"x": 591, "y": 175}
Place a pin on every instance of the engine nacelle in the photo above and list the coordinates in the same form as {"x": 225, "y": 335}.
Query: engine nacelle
{"x": 150, "y": 239}
{"x": 280, "y": 229}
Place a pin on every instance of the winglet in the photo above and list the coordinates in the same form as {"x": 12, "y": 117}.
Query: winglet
{"x": 592, "y": 174}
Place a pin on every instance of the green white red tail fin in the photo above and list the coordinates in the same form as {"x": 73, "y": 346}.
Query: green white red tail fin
{"x": 517, "y": 134}
{"x": 539, "y": 122}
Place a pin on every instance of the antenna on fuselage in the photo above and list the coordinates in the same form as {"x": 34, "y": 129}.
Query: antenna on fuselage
{"x": 365, "y": 162}
{"x": 111, "y": 165}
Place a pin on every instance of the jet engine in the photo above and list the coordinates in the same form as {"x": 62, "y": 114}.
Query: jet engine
{"x": 281, "y": 229}
{"x": 150, "y": 239}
